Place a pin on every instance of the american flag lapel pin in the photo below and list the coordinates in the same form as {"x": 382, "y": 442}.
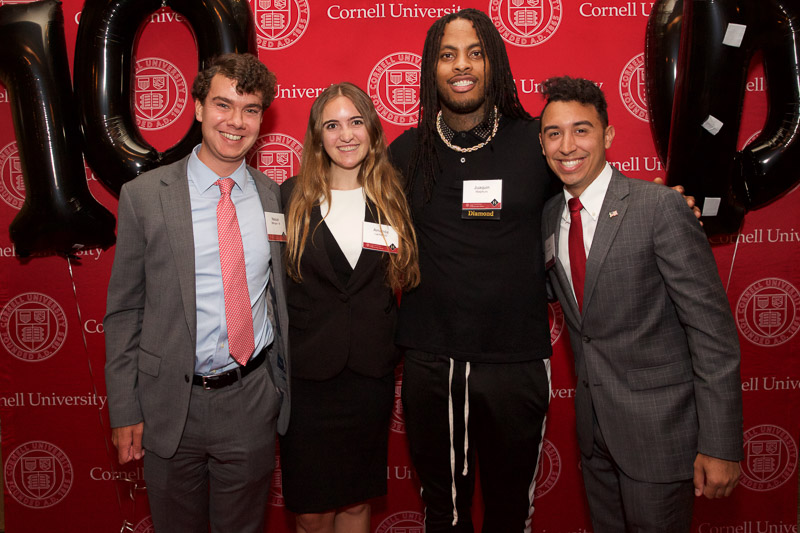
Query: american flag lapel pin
{"x": 613, "y": 213}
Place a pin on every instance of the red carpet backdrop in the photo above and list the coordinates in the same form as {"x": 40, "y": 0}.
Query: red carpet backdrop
{"x": 59, "y": 465}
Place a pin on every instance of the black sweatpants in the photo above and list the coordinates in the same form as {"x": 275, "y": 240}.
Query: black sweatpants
{"x": 494, "y": 410}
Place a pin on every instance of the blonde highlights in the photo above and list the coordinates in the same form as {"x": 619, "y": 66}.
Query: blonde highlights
{"x": 380, "y": 180}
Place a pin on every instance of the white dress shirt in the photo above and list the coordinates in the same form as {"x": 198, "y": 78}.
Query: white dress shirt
{"x": 345, "y": 219}
{"x": 592, "y": 200}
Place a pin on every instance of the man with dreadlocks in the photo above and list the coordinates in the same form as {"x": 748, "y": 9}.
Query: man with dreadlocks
{"x": 477, "y": 374}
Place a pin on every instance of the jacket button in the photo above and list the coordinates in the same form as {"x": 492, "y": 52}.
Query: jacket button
{"x": 587, "y": 339}
{"x": 345, "y": 298}
{"x": 186, "y": 378}
{"x": 585, "y": 383}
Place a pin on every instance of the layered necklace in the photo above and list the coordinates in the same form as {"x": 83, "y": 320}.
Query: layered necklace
{"x": 440, "y": 121}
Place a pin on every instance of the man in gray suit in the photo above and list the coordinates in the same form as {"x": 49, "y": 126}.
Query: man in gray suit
{"x": 206, "y": 421}
{"x": 658, "y": 399}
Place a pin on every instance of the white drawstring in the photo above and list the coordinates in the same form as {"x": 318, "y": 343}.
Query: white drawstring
{"x": 452, "y": 436}
{"x": 452, "y": 449}
{"x": 466, "y": 419}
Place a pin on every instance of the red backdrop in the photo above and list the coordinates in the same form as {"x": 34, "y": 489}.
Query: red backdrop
{"x": 59, "y": 467}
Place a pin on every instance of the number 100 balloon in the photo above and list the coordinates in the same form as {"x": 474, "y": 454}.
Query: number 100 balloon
{"x": 697, "y": 57}
{"x": 55, "y": 127}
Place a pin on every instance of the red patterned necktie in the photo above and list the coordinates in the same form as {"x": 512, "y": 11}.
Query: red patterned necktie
{"x": 238, "y": 315}
{"x": 577, "y": 254}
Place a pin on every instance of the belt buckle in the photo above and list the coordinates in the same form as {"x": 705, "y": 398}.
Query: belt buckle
{"x": 207, "y": 381}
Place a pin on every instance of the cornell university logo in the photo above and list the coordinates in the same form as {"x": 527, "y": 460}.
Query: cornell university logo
{"x": 549, "y": 469}
{"x": 38, "y": 474}
{"x": 526, "y": 22}
{"x": 770, "y": 457}
{"x": 556, "y": 316}
{"x": 398, "y": 424}
{"x": 32, "y": 327}
{"x": 632, "y": 88}
{"x": 393, "y": 86}
{"x": 279, "y": 23}
{"x": 402, "y": 522}
{"x": 766, "y": 312}
{"x": 275, "y": 497}
{"x": 12, "y": 186}
{"x": 160, "y": 93}
{"x": 145, "y": 526}
{"x": 276, "y": 155}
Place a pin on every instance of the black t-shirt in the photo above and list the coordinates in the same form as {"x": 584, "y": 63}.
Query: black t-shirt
{"x": 482, "y": 294}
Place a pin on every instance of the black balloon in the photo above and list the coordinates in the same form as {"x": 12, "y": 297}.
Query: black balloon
{"x": 59, "y": 213}
{"x": 662, "y": 45}
{"x": 103, "y": 70}
{"x": 707, "y": 78}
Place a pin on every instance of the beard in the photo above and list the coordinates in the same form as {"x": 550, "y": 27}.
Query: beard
{"x": 462, "y": 106}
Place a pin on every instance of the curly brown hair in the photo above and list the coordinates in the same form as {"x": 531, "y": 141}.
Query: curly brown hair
{"x": 250, "y": 74}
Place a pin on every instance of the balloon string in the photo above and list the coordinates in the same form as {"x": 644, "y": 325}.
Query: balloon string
{"x": 733, "y": 259}
{"x": 126, "y": 525}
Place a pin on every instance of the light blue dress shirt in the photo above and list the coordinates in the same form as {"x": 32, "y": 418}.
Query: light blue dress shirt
{"x": 212, "y": 351}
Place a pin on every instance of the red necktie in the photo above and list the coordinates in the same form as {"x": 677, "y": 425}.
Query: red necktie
{"x": 577, "y": 254}
{"x": 238, "y": 315}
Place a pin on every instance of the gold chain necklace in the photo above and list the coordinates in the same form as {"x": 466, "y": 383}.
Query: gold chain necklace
{"x": 471, "y": 148}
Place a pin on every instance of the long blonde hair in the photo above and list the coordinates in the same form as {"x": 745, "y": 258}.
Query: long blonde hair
{"x": 380, "y": 180}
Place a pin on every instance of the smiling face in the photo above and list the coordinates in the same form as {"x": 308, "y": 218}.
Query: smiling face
{"x": 230, "y": 125}
{"x": 574, "y": 142}
{"x": 345, "y": 139}
{"x": 461, "y": 70}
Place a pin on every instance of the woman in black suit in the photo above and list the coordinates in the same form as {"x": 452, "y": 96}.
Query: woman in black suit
{"x": 351, "y": 248}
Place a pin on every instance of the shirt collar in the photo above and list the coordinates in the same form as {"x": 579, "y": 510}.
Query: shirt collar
{"x": 204, "y": 178}
{"x": 483, "y": 130}
{"x": 592, "y": 197}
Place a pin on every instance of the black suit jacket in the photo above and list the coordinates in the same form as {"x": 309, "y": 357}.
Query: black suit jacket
{"x": 339, "y": 317}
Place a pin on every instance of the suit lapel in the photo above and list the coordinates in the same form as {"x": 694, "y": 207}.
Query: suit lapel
{"x": 366, "y": 261}
{"x": 368, "y": 258}
{"x": 270, "y": 204}
{"x": 609, "y": 220}
{"x": 318, "y": 249}
{"x": 276, "y": 299}
{"x": 553, "y": 226}
{"x": 177, "y": 212}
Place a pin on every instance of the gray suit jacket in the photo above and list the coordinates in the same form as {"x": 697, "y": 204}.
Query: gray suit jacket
{"x": 151, "y": 319}
{"x": 656, "y": 348}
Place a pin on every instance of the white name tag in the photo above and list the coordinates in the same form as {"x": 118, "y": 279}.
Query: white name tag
{"x": 276, "y": 226}
{"x": 380, "y": 237}
{"x": 482, "y": 199}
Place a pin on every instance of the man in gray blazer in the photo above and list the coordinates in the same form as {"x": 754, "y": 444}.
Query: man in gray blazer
{"x": 206, "y": 422}
{"x": 658, "y": 399}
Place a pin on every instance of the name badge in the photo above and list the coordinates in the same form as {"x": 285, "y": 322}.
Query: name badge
{"x": 482, "y": 199}
{"x": 380, "y": 237}
{"x": 550, "y": 252}
{"x": 276, "y": 226}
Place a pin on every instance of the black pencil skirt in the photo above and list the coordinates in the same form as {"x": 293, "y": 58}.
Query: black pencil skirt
{"x": 334, "y": 453}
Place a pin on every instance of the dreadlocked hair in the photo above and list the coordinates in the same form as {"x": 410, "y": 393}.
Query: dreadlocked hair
{"x": 499, "y": 86}
{"x": 380, "y": 180}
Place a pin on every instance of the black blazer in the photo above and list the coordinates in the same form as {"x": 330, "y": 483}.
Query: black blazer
{"x": 339, "y": 316}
